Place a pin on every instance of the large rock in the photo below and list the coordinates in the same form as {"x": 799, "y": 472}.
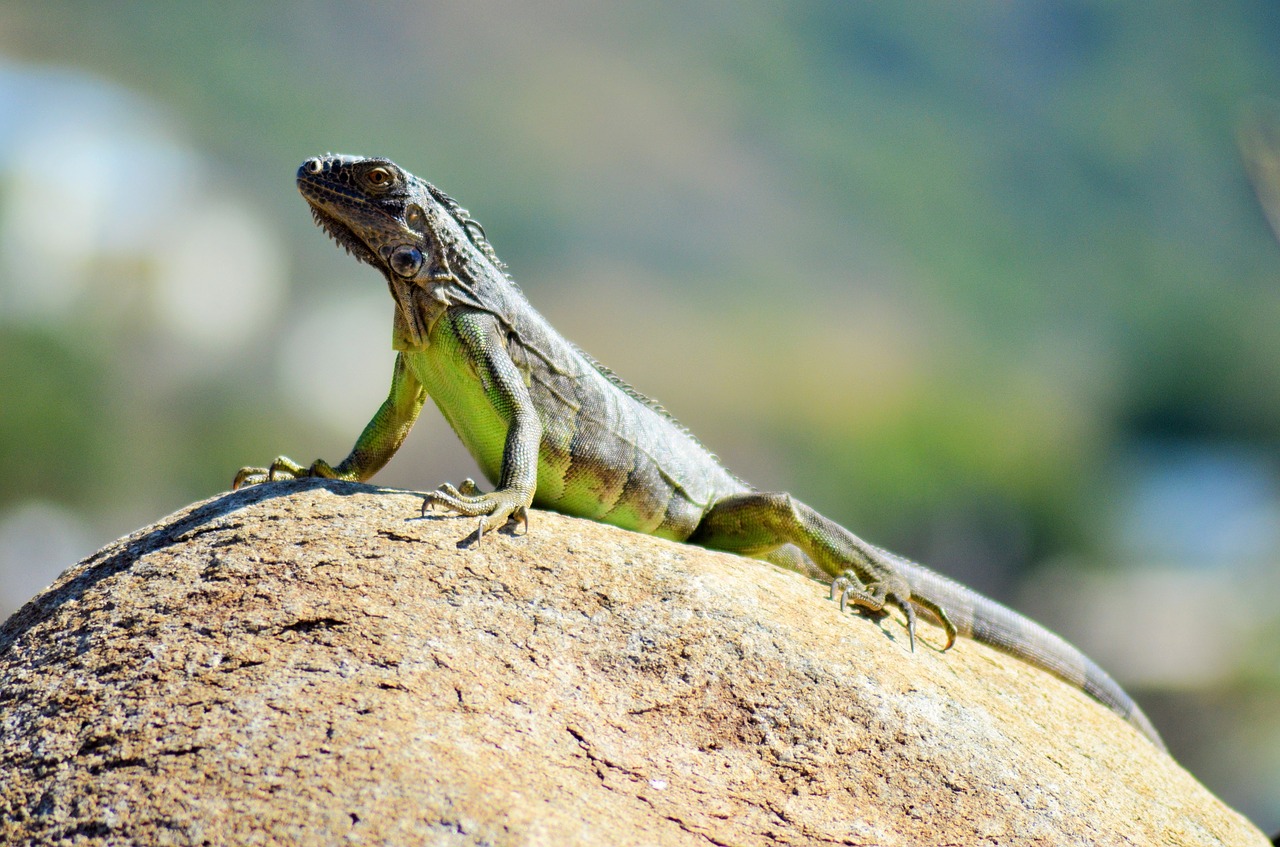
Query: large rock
{"x": 311, "y": 663}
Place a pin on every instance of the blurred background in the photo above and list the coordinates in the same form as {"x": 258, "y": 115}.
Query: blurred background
{"x": 986, "y": 282}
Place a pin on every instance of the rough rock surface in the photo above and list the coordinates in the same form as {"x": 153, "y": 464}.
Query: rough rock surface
{"x": 311, "y": 663}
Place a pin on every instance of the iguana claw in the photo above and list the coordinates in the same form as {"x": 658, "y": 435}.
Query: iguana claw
{"x": 874, "y": 598}
{"x": 284, "y": 468}
{"x": 495, "y": 508}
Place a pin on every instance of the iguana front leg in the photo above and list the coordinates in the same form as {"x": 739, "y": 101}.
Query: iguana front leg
{"x": 381, "y": 437}
{"x": 757, "y": 524}
{"x": 483, "y": 346}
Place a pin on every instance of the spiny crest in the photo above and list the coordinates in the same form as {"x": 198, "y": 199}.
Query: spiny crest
{"x": 643, "y": 399}
{"x": 472, "y": 227}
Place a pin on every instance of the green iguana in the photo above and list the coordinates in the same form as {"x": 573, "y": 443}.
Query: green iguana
{"x": 553, "y": 428}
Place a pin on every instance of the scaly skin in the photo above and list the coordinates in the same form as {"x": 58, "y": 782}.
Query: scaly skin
{"x": 554, "y": 429}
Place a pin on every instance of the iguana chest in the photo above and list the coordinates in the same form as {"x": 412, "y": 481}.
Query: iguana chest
{"x": 453, "y": 383}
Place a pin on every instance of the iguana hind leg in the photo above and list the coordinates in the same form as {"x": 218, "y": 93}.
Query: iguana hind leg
{"x": 757, "y": 524}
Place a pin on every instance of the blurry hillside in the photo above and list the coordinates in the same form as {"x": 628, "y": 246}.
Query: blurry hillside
{"x": 985, "y": 282}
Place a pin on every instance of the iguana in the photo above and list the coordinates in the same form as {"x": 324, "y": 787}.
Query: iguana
{"x": 553, "y": 428}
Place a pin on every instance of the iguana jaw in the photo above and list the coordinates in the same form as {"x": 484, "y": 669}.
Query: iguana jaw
{"x": 341, "y": 234}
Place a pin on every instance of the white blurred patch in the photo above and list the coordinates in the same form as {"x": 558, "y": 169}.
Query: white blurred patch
{"x": 108, "y": 219}
{"x": 219, "y": 277}
{"x": 335, "y": 359}
{"x": 1154, "y": 627}
{"x": 38, "y": 541}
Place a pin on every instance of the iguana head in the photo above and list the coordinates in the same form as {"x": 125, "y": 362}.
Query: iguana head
{"x": 360, "y": 203}
{"x": 400, "y": 224}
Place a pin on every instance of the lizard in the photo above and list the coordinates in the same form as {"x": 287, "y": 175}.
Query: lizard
{"x": 552, "y": 428}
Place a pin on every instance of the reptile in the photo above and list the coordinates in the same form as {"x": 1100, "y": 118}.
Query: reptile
{"x": 552, "y": 428}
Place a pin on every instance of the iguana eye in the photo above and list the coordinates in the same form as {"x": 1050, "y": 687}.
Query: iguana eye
{"x": 379, "y": 177}
{"x": 416, "y": 219}
{"x": 406, "y": 261}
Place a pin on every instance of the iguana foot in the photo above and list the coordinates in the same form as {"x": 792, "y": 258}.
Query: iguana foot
{"x": 283, "y": 468}
{"x": 875, "y": 597}
{"x": 495, "y": 508}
